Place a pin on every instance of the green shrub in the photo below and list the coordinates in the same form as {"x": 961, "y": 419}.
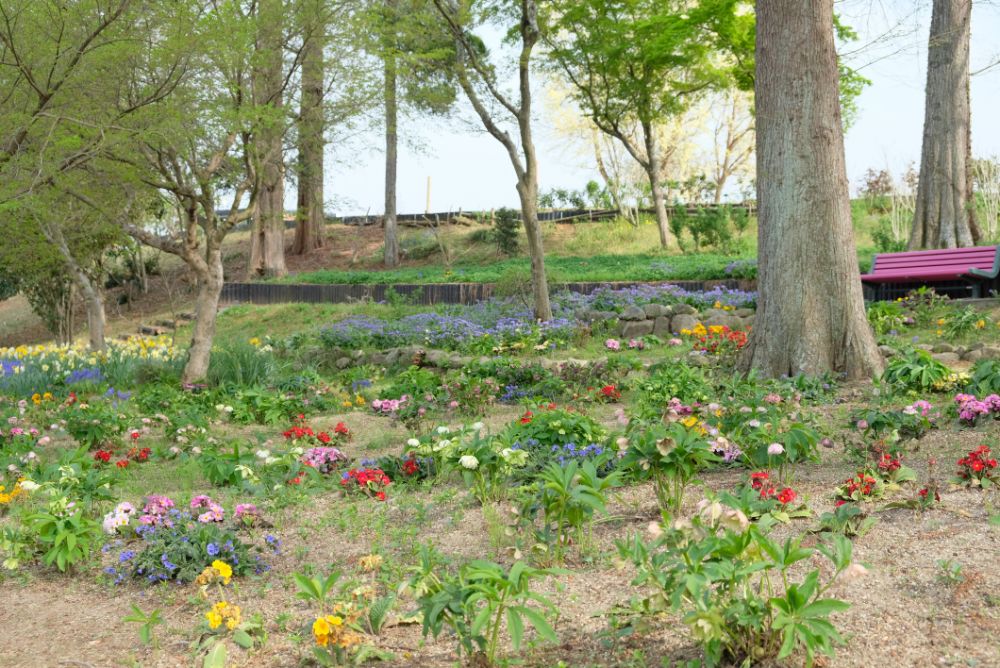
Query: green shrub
{"x": 914, "y": 370}
{"x": 241, "y": 365}
{"x": 506, "y": 225}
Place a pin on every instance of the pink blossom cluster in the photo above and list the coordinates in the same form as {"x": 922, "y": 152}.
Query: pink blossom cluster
{"x": 213, "y": 511}
{"x": 389, "y": 406}
{"x": 157, "y": 510}
{"x": 247, "y": 513}
{"x": 970, "y": 408}
{"x": 324, "y": 458}
{"x": 919, "y": 406}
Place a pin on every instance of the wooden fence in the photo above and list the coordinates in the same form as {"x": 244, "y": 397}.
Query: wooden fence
{"x": 426, "y": 293}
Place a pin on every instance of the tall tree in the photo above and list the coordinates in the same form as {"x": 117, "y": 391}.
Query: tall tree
{"x": 267, "y": 240}
{"x": 418, "y": 54}
{"x": 309, "y": 217}
{"x": 945, "y": 214}
{"x": 477, "y": 77}
{"x": 635, "y": 63}
{"x": 810, "y": 313}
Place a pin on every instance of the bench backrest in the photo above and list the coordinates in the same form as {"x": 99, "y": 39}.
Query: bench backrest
{"x": 959, "y": 259}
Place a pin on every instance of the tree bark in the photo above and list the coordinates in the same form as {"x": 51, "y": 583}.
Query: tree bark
{"x": 391, "y": 144}
{"x": 310, "y": 218}
{"x": 267, "y": 244}
{"x": 93, "y": 294}
{"x": 210, "y": 282}
{"x": 656, "y": 187}
{"x": 945, "y": 211}
{"x": 810, "y": 312}
{"x": 528, "y": 195}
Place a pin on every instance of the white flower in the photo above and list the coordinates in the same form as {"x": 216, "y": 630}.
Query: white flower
{"x": 469, "y": 462}
{"x": 775, "y": 449}
{"x": 29, "y": 486}
{"x": 477, "y": 426}
{"x": 413, "y": 442}
{"x": 441, "y": 445}
{"x": 442, "y": 430}
{"x": 263, "y": 454}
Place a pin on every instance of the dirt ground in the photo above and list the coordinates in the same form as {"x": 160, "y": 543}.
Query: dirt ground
{"x": 903, "y": 612}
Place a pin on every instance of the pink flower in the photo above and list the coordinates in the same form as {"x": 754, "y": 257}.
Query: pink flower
{"x": 612, "y": 344}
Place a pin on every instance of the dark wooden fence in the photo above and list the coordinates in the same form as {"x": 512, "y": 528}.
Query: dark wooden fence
{"x": 427, "y": 294}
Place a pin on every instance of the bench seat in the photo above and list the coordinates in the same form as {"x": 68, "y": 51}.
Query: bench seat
{"x": 977, "y": 267}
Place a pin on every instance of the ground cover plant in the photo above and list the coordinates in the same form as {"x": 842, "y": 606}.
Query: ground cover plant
{"x": 461, "y": 486}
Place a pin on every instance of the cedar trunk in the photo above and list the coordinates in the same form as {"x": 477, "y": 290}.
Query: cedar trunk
{"x": 310, "y": 219}
{"x": 945, "y": 213}
{"x": 267, "y": 242}
{"x": 810, "y": 313}
{"x": 391, "y": 151}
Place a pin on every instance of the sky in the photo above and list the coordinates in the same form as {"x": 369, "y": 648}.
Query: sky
{"x": 469, "y": 169}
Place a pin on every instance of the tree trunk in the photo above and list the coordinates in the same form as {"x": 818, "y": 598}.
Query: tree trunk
{"x": 92, "y": 293}
{"x": 267, "y": 244}
{"x": 945, "y": 213}
{"x": 391, "y": 146}
{"x": 528, "y": 194}
{"x": 656, "y": 187}
{"x": 310, "y": 218}
{"x": 810, "y": 313}
{"x": 206, "y": 312}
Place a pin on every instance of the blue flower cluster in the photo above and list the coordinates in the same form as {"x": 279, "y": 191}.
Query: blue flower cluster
{"x": 86, "y": 375}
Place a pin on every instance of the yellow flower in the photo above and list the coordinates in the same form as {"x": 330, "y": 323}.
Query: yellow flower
{"x": 214, "y": 619}
{"x": 371, "y": 563}
{"x": 224, "y": 570}
{"x": 980, "y": 324}
{"x": 321, "y": 631}
{"x": 224, "y": 612}
{"x": 255, "y": 342}
{"x": 689, "y": 422}
{"x": 940, "y": 321}
{"x": 940, "y": 332}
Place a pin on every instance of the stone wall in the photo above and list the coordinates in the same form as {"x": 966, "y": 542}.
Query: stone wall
{"x": 668, "y": 321}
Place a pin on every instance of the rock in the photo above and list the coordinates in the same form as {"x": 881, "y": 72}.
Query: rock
{"x": 978, "y": 345}
{"x": 744, "y": 312}
{"x": 714, "y": 312}
{"x": 684, "y": 309}
{"x": 724, "y": 319}
{"x": 438, "y": 358}
{"x": 392, "y": 357}
{"x": 597, "y": 316}
{"x": 943, "y": 348}
{"x": 960, "y": 351}
{"x": 694, "y": 358}
{"x": 654, "y": 311}
{"x": 378, "y": 359}
{"x": 887, "y": 351}
{"x": 661, "y": 327}
{"x": 924, "y": 346}
{"x": 343, "y": 362}
{"x": 973, "y": 355}
{"x": 636, "y": 328}
{"x": 991, "y": 352}
{"x": 683, "y": 321}
{"x": 946, "y": 358}
{"x": 633, "y": 313}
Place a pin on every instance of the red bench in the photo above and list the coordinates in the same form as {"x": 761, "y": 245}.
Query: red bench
{"x": 965, "y": 271}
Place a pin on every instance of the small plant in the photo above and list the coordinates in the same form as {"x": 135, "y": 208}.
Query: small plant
{"x": 950, "y": 572}
{"x": 672, "y": 456}
{"x": 65, "y": 535}
{"x": 914, "y": 370}
{"x": 505, "y": 230}
{"x": 476, "y": 603}
{"x": 146, "y": 621}
{"x": 847, "y": 519}
{"x": 734, "y": 588}
{"x": 978, "y": 468}
{"x": 885, "y": 317}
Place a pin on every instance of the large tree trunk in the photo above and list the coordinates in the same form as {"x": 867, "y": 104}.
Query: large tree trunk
{"x": 945, "y": 214}
{"x": 810, "y": 313}
{"x": 210, "y": 282}
{"x": 267, "y": 244}
{"x": 656, "y": 187}
{"x": 310, "y": 218}
{"x": 391, "y": 146}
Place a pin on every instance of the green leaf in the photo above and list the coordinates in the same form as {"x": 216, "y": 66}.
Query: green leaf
{"x": 216, "y": 658}
{"x": 540, "y": 624}
{"x": 515, "y": 626}
{"x": 242, "y": 638}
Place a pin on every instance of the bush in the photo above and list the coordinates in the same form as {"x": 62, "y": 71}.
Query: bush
{"x": 506, "y": 225}
{"x": 241, "y": 365}
{"x": 915, "y": 370}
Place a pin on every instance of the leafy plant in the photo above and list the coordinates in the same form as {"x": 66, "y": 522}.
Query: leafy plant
{"x": 885, "y": 317}
{"x": 65, "y": 535}
{"x": 146, "y": 621}
{"x": 914, "y": 370}
{"x": 672, "y": 456}
{"x": 477, "y": 602}
{"x": 847, "y": 519}
{"x": 734, "y": 587}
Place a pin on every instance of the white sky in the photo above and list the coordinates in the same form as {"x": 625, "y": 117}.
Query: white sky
{"x": 470, "y": 170}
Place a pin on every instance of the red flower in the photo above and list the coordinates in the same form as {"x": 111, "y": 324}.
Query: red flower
{"x": 122, "y": 463}
{"x": 410, "y": 467}
{"x": 786, "y": 496}
{"x": 838, "y": 503}
{"x": 526, "y": 418}
{"x": 323, "y": 437}
{"x": 341, "y": 428}
{"x": 380, "y": 496}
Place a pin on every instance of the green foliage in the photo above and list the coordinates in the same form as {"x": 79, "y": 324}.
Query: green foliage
{"x": 223, "y": 466}
{"x": 671, "y": 380}
{"x": 884, "y": 238}
{"x": 963, "y": 322}
{"x": 181, "y": 552}
{"x": 146, "y": 621}
{"x": 914, "y": 370}
{"x": 240, "y": 364}
{"x": 477, "y": 602}
{"x": 672, "y": 457}
{"x": 885, "y": 317}
{"x": 540, "y": 430}
{"x": 985, "y": 378}
{"x": 506, "y": 226}
{"x": 725, "y": 577}
{"x": 847, "y": 519}
{"x": 66, "y": 536}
